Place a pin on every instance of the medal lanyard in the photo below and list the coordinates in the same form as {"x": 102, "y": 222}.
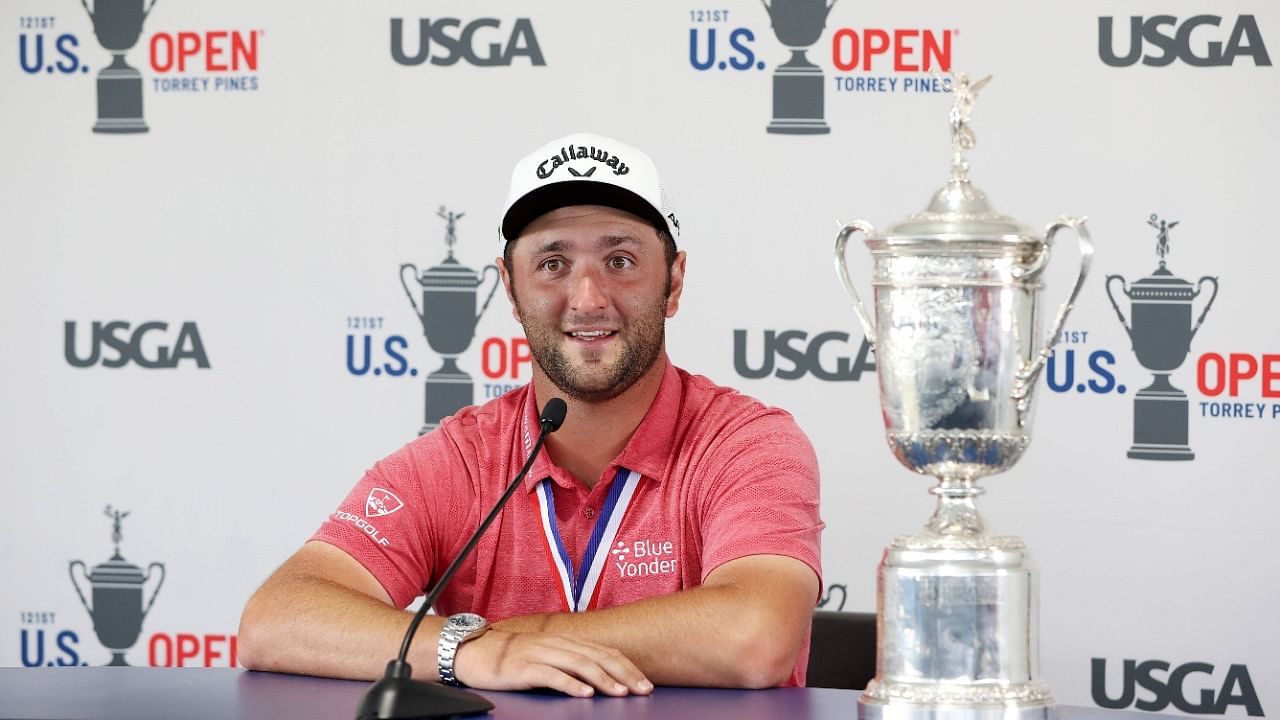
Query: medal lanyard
{"x": 581, "y": 589}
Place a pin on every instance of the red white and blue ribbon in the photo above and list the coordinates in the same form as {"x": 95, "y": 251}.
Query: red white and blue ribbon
{"x": 581, "y": 589}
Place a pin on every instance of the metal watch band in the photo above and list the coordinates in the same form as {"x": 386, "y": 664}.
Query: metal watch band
{"x": 451, "y": 637}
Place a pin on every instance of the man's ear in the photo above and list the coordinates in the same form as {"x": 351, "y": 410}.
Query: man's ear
{"x": 677, "y": 284}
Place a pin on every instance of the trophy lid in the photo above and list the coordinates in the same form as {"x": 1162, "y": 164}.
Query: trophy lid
{"x": 1162, "y": 285}
{"x": 449, "y": 273}
{"x": 118, "y": 572}
{"x": 959, "y": 212}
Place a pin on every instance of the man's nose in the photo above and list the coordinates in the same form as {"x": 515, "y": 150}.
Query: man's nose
{"x": 586, "y": 292}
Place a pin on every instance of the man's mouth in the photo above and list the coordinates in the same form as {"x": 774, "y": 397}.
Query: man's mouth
{"x": 590, "y": 334}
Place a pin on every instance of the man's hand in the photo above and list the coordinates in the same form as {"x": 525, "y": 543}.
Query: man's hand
{"x": 499, "y": 660}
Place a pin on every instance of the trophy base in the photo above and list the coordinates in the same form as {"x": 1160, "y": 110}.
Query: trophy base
{"x": 1161, "y": 422}
{"x": 872, "y": 709}
{"x": 117, "y": 660}
{"x": 956, "y": 629}
{"x": 1161, "y": 452}
{"x": 447, "y": 391}
{"x": 798, "y": 105}
{"x": 120, "y": 100}
{"x": 798, "y": 127}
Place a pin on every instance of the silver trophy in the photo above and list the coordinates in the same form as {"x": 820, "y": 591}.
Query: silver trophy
{"x": 958, "y": 351}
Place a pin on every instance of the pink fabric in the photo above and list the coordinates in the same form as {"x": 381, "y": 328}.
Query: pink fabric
{"x": 723, "y": 477}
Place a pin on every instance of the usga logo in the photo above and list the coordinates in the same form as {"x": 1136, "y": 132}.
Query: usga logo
{"x": 134, "y": 345}
{"x": 1200, "y": 41}
{"x": 843, "y": 362}
{"x": 482, "y": 42}
{"x": 1170, "y": 684}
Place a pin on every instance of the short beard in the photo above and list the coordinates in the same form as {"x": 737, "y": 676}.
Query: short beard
{"x": 642, "y": 345}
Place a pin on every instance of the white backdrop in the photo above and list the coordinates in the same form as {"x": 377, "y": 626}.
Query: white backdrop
{"x": 273, "y": 207}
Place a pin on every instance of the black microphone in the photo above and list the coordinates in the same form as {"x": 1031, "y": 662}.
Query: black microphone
{"x": 397, "y": 696}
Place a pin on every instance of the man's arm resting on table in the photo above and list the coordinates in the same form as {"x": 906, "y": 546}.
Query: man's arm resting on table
{"x": 323, "y": 613}
{"x": 743, "y": 627}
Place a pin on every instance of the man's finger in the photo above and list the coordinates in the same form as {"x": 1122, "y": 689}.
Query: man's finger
{"x": 620, "y": 667}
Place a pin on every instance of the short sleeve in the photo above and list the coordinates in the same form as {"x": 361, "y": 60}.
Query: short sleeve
{"x": 392, "y": 520}
{"x": 763, "y": 497}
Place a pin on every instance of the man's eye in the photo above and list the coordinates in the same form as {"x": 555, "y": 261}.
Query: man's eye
{"x": 552, "y": 265}
{"x": 619, "y": 263}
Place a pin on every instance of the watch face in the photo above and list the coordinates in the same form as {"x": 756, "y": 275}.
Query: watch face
{"x": 465, "y": 622}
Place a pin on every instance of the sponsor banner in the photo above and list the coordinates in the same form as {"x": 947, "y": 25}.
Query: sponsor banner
{"x": 249, "y": 251}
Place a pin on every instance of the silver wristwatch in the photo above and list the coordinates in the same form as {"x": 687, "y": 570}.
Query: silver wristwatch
{"x": 457, "y": 629}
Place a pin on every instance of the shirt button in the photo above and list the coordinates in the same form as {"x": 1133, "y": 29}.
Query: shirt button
{"x": 590, "y": 512}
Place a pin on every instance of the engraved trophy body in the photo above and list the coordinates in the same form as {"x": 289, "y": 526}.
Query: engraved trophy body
{"x": 117, "y": 611}
{"x": 956, "y": 329}
{"x": 449, "y": 319}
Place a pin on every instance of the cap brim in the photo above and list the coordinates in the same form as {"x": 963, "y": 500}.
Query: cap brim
{"x": 543, "y": 200}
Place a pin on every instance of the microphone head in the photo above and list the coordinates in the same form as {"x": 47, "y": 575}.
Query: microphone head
{"x": 553, "y": 414}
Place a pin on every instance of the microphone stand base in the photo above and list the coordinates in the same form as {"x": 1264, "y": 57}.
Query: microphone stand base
{"x": 396, "y": 698}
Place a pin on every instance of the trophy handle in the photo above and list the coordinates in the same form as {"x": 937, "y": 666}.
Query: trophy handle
{"x": 1214, "y": 296}
{"x": 1027, "y": 377}
{"x": 410, "y": 266}
{"x": 841, "y": 240}
{"x": 497, "y": 280}
{"x": 71, "y": 570}
{"x": 1125, "y": 287}
{"x": 86, "y": 9}
{"x": 145, "y": 14}
{"x": 155, "y": 592}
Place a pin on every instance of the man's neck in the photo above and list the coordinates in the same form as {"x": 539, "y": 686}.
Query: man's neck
{"x": 594, "y": 433}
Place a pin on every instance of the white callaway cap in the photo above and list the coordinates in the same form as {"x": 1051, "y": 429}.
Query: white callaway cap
{"x": 585, "y": 169}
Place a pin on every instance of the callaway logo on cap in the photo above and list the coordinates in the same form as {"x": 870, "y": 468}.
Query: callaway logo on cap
{"x": 585, "y": 169}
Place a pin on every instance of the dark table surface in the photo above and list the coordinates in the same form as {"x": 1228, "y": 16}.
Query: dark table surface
{"x": 128, "y": 693}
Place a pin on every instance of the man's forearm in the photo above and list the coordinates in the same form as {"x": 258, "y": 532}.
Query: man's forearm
{"x": 722, "y": 635}
{"x": 300, "y": 623}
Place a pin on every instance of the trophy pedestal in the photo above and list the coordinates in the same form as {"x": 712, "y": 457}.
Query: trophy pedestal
{"x": 798, "y": 106}
{"x": 120, "y": 99}
{"x": 957, "y": 632}
{"x": 117, "y": 660}
{"x": 1160, "y": 422}
{"x": 448, "y": 390}
{"x": 877, "y": 710}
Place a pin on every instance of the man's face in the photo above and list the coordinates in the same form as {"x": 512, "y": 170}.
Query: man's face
{"x": 591, "y": 286}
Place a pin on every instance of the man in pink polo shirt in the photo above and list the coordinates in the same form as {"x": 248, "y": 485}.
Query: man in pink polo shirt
{"x": 668, "y": 533}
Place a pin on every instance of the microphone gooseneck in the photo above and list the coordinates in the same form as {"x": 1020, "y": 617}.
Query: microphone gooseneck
{"x": 397, "y": 695}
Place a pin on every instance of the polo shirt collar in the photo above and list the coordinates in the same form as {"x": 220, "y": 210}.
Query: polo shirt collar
{"x": 647, "y": 452}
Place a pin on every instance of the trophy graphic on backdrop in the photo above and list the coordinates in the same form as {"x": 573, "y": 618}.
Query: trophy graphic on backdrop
{"x": 117, "y": 610}
{"x": 798, "y": 107}
{"x": 118, "y": 23}
{"x": 1161, "y": 335}
{"x": 958, "y": 351}
{"x": 449, "y": 318}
